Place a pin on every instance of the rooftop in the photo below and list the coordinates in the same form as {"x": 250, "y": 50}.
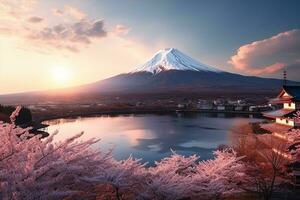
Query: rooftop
{"x": 279, "y": 113}
{"x": 274, "y": 127}
{"x": 293, "y": 91}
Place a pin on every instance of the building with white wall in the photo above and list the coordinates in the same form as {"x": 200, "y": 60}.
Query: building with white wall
{"x": 289, "y": 97}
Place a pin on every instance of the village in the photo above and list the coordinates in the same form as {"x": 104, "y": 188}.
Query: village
{"x": 120, "y": 105}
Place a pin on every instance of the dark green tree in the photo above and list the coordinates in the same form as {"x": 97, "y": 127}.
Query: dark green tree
{"x": 24, "y": 116}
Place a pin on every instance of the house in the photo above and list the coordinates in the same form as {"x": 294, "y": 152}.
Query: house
{"x": 239, "y": 108}
{"x": 204, "y": 105}
{"x": 220, "y": 107}
{"x": 229, "y": 107}
{"x": 180, "y": 105}
{"x": 253, "y": 108}
{"x": 289, "y": 97}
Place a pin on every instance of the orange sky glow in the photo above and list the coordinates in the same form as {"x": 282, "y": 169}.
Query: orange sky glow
{"x": 28, "y": 64}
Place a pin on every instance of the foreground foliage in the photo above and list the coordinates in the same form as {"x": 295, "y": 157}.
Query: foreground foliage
{"x": 35, "y": 168}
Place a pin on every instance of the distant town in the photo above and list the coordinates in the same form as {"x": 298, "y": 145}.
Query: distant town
{"x": 120, "y": 105}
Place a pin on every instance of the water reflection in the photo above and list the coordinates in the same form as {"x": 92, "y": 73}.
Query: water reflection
{"x": 152, "y": 136}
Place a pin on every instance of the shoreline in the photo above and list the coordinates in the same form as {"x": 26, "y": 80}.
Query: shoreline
{"x": 146, "y": 111}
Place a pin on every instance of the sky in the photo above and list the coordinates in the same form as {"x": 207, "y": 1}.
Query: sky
{"x": 61, "y": 43}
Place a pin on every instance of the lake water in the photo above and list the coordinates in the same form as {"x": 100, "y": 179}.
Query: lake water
{"x": 150, "y": 136}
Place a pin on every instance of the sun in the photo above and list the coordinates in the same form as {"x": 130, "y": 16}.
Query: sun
{"x": 61, "y": 75}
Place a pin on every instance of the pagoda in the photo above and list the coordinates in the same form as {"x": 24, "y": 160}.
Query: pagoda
{"x": 284, "y": 118}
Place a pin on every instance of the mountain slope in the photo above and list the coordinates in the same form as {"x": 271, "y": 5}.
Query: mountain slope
{"x": 183, "y": 81}
{"x": 172, "y": 71}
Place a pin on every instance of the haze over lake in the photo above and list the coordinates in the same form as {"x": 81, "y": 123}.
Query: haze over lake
{"x": 151, "y": 137}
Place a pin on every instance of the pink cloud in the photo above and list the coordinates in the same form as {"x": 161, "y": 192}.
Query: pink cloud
{"x": 73, "y": 30}
{"x": 121, "y": 29}
{"x": 70, "y": 11}
{"x": 16, "y": 8}
{"x": 35, "y": 19}
{"x": 277, "y": 51}
{"x": 74, "y": 12}
{"x": 57, "y": 12}
{"x": 270, "y": 69}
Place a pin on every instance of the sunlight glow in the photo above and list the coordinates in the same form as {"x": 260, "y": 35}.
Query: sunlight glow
{"x": 61, "y": 75}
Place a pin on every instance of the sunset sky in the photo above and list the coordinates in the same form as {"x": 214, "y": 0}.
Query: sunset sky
{"x": 60, "y": 43}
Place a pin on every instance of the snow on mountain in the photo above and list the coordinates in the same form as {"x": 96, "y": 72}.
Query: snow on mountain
{"x": 172, "y": 59}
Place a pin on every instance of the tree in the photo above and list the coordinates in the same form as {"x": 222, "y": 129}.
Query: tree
{"x": 294, "y": 144}
{"x": 220, "y": 176}
{"x": 36, "y": 168}
{"x": 267, "y": 172}
{"x": 31, "y": 168}
{"x": 297, "y": 117}
{"x": 24, "y": 115}
{"x": 179, "y": 177}
{"x": 127, "y": 177}
{"x": 171, "y": 178}
{"x": 293, "y": 137}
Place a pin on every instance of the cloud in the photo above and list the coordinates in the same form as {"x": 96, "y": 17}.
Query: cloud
{"x": 35, "y": 19}
{"x": 269, "y": 55}
{"x": 293, "y": 71}
{"x": 70, "y": 11}
{"x": 70, "y": 36}
{"x": 67, "y": 28}
{"x": 14, "y": 15}
{"x": 5, "y": 31}
{"x": 57, "y": 12}
{"x": 72, "y": 32}
{"x": 15, "y": 8}
{"x": 88, "y": 29}
{"x": 121, "y": 29}
{"x": 74, "y": 12}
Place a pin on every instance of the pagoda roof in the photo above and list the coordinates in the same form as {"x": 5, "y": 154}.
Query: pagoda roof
{"x": 274, "y": 127}
{"x": 279, "y": 113}
{"x": 281, "y": 100}
{"x": 292, "y": 90}
{"x": 288, "y": 93}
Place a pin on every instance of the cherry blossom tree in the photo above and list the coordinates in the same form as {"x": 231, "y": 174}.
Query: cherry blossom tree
{"x": 293, "y": 137}
{"x": 178, "y": 177}
{"x": 127, "y": 177}
{"x": 31, "y": 168}
{"x": 171, "y": 177}
{"x": 36, "y": 168}
{"x": 297, "y": 117}
{"x": 220, "y": 176}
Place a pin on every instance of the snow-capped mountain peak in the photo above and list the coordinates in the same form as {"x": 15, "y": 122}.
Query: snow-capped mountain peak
{"x": 172, "y": 59}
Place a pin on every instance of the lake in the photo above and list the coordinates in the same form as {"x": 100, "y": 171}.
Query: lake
{"x": 151, "y": 136}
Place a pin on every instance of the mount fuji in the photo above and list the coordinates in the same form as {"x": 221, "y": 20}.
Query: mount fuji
{"x": 170, "y": 70}
{"x": 173, "y": 59}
